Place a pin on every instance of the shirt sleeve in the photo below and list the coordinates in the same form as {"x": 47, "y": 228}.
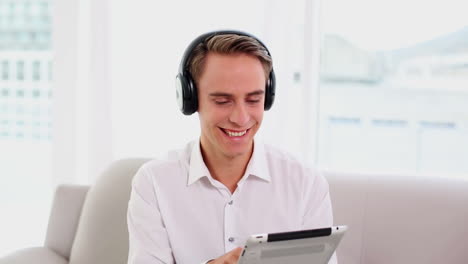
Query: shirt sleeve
{"x": 148, "y": 239}
{"x": 318, "y": 208}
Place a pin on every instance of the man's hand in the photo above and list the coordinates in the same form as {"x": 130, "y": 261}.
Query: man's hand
{"x": 228, "y": 258}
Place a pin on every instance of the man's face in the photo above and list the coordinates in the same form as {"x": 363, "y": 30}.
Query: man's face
{"x": 231, "y": 94}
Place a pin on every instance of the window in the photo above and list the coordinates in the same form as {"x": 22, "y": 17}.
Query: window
{"x": 394, "y": 87}
{"x": 36, "y": 70}
{"x": 5, "y": 70}
{"x": 20, "y": 70}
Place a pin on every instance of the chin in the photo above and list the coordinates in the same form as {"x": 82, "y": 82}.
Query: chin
{"x": 239, "y": 150}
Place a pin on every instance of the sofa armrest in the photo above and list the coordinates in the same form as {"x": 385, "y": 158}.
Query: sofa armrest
{"x": 64, "y": 218}
{"x": 32, "y": 256}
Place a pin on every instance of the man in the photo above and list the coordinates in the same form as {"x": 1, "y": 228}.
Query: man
{"x": 201, "y": 203}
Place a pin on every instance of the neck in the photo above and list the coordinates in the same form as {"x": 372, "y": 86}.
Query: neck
{"x": 226, "y": 169}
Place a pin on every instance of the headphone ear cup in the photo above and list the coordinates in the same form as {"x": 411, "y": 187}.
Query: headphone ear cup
{"x": 270, "y": 91}
{"x": 186, "y": 93}
{"x": 192, "y": 100}
{"x": 180, "y": 82}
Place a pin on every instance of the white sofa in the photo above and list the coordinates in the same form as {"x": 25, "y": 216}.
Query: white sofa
{"x": 391, "y": 219}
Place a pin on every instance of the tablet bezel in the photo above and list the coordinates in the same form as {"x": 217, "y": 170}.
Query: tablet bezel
{"x": 331, "y": 235}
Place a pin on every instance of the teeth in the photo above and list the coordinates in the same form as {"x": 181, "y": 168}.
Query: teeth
{"x": 236, "y": 134}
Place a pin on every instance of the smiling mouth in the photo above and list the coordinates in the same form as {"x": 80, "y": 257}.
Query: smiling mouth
{"x": 232, "y": 133}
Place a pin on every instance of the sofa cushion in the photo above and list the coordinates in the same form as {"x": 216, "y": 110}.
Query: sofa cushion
{"x": 416, "y": 220}
{"x": 348, "y": 193}
{"x": 400, "y": 219}
{"x": 33, "y": 255}
{"x": 102, "y": 235}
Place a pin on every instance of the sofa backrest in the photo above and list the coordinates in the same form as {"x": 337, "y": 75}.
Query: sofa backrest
{"x": 400, "y": 219}
{"x": 64, "y": 218}
{"x": 102, "y": 236}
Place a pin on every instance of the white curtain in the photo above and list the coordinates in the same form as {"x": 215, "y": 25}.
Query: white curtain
{"x": 82, "y": 131}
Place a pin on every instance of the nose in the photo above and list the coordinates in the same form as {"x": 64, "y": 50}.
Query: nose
{"x": 240, "y": 115}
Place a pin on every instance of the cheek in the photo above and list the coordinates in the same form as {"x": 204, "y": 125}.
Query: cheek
{"x": 211, "y": 117}
{"x": 258, "y": 115}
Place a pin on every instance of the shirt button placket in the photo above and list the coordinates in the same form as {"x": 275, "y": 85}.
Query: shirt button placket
{"x": 229, "y": 226}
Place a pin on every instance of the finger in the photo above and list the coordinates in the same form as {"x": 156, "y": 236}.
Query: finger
{"x": 237, "y": 252}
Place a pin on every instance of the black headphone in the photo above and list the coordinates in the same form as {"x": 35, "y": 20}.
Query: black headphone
{"x": 186, "y": 90}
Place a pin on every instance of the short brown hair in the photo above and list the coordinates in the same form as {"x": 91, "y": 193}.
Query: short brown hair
{"x": 228, "y": 44}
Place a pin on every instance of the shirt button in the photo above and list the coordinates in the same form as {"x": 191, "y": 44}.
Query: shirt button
{"x": 230, "y": 202}
{"x": 231, "y": 239}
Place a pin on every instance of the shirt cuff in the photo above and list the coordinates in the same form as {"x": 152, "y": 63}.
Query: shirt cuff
{"x": 207, "y": 261}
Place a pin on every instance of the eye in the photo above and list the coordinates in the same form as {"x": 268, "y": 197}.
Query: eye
{"x": 221, "y": 102}
{"x": 253, "y": 101}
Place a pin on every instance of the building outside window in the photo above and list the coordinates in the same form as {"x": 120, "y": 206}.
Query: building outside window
{"x": 25, "y": 121}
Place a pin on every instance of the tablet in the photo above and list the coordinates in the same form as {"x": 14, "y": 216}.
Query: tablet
{"x": 298, "y": 247}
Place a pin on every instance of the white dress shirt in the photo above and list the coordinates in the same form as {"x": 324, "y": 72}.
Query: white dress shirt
{"x": 178, "y": 213}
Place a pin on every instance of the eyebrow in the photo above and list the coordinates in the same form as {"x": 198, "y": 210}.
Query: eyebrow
{"x": 221, "y": 94}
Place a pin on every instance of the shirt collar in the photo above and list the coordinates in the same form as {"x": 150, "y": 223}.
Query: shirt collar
{"x": 257, "y": 165}
{"x": 197, "y": 167}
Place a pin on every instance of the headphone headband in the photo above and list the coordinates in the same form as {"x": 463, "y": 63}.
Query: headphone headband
{"x": 202, "y": 38}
